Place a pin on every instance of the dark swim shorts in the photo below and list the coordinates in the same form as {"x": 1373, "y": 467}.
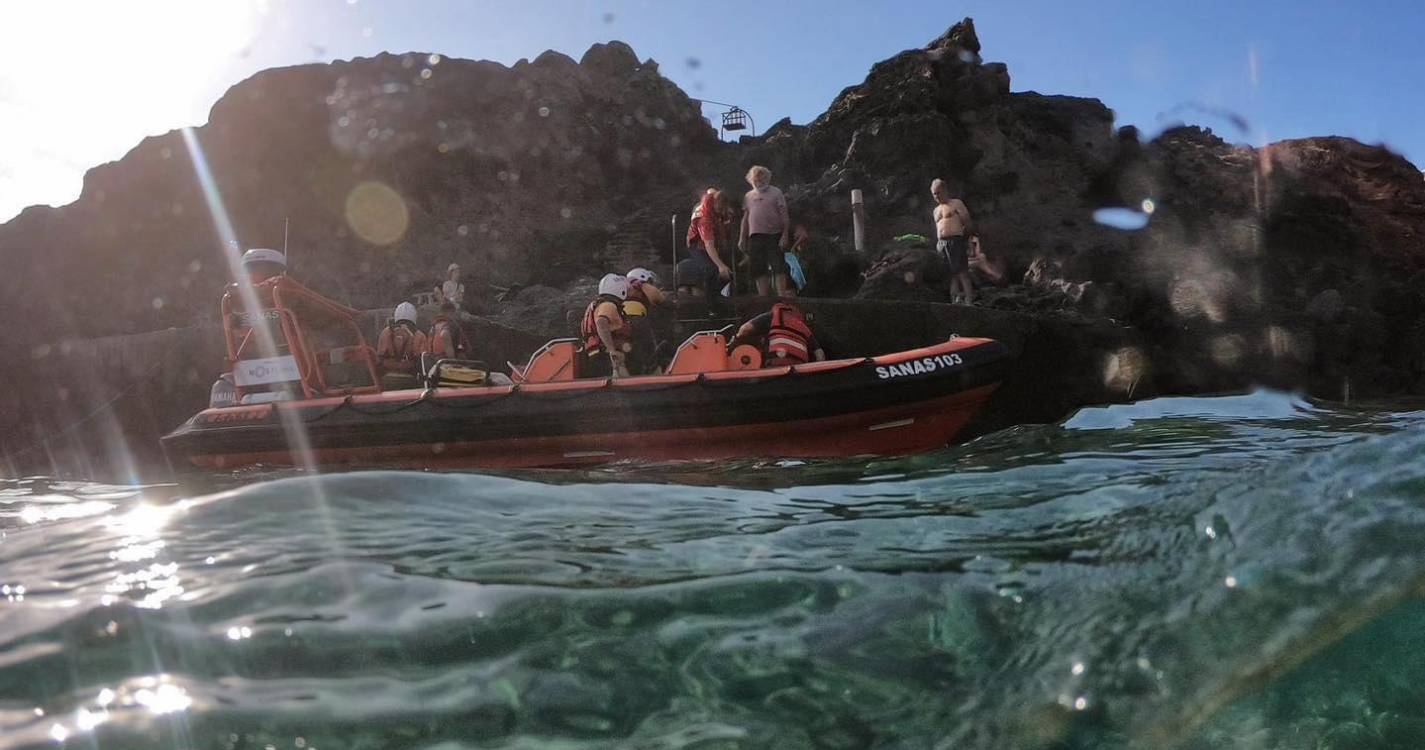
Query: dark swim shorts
{"x": 956, "y": 253}
{"x": 767, "y": 256}
{"x": 698, "y": 272}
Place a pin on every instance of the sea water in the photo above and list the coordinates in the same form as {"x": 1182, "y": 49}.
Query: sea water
{"x": 1240, "y": 571}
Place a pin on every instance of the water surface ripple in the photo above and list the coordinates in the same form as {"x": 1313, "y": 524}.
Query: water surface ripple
{"x": 1211, "y": 572}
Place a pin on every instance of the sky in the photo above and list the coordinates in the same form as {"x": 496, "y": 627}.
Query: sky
{"x": 83, "y": 81}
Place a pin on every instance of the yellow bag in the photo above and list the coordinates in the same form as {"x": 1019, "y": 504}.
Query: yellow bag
{"x": 458, "y": 376}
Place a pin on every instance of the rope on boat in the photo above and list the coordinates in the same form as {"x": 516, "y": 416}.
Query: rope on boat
{"x": 427, "y": 395}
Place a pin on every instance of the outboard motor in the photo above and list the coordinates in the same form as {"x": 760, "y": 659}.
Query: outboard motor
{"x": 224, "y": 393}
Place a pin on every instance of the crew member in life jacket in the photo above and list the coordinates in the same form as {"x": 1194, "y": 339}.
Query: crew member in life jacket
{"x": 447, "y": 338}
{"x": 399, "y": 348}
{"x": 643, "y": 296}
{"x": 783, "y": 335}
{"x": 643, "y": 293}
{"x": 605, "y": 331}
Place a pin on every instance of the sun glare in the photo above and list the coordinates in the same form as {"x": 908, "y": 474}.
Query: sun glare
{"x": 82, "y": 82}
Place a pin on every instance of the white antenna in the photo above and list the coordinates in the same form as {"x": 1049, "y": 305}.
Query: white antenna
{"x": 286, "y": 224}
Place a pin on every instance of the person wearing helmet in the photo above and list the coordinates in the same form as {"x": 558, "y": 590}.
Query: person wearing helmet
{"x": 605, "y": 330}
{"x": 399, "y": 348}
{"x": 261, "y": 264}
{"x": 643, "y": 295}
{"x": 643, "y": 292}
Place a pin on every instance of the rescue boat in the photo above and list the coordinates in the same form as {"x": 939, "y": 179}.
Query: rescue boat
{"x": 709, "y": 403}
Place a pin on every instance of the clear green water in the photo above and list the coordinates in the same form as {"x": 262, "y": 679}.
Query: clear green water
{"x": 1220, "y": 572}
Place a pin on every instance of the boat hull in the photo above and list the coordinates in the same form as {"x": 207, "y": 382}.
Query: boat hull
{"x": 900, "y": 403}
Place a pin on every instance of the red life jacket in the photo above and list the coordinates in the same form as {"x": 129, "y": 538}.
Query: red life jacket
{"x": 457, "y": 336}
{"x": 589, "y": 330}
{"x": 403, "y": 347}
{"x": 789, "y": 339}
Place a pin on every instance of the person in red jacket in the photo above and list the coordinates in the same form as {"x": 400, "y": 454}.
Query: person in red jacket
{"x": 710, "y": 237}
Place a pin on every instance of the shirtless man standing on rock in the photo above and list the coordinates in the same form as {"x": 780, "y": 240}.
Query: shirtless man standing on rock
{"x": 952, "y": 229}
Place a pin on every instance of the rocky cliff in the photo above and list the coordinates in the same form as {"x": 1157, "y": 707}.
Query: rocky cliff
{"x": 1238, "y": 242}
{"x": 388, "y": 168}
{"x": 1297, "y": 263}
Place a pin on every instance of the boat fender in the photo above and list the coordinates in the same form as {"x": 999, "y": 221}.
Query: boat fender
{"x": 744, "y": 357}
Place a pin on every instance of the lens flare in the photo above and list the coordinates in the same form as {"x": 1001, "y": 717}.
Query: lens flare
{"x": 377, "y": 213}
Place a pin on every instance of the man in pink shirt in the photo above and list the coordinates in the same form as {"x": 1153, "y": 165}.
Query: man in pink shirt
{"x": 766, "y": 231}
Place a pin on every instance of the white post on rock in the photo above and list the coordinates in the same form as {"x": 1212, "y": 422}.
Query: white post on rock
{"x": 858, "y": 216}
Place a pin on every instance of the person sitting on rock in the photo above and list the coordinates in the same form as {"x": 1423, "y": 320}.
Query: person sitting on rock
{"x": 953, "y": 226}
{"x": 605, "y": 331}
{"x": 451, "y": 290}
{"x": 992, "y": 269}
{"x": 399, "y": 348}
{"x": 783, "y": 334}
{"x": 707, "y": 270}
{"x": 766, "y": 232}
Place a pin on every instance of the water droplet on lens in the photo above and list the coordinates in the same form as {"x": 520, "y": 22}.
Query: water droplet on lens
{"x": 426, "y": 73}
{"x": 694, "y": 63}
{"x": 566, "y": 212}
{"x": 1121, "y": 218}
{"x": 608, "y": 18}
{"x": 544, "y": 111}
{"x": 434, "y": 59}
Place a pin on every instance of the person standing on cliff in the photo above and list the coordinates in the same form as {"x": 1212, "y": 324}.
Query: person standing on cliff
{"x": 953, "y": 227}
{"x": 766, "y": 231}
{"x": 702, "y": 274}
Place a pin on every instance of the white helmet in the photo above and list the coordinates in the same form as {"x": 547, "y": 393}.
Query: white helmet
{"x": 406, "y": 311}
{"x": 644, "y": 275}
{"x": 264, "y": 255}
{"x": 615, "y": 285}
